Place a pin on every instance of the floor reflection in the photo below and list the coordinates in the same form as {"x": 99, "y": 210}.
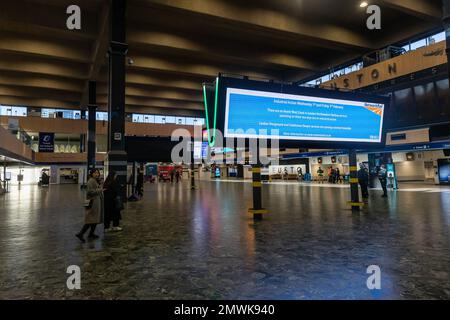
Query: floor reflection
{"x": 202, "y": 244}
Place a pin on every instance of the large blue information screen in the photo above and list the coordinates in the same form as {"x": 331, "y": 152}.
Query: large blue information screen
{"x": 260, "y": 114}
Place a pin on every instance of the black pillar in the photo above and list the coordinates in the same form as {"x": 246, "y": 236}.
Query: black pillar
{"x": 117, "y": 158}
{"x": 92, "y": 110}
{"x": 4, "y": 174}
{"x": 134, "y": 179}
{"x": 192, "y": 164}
{"x": 446, "y": 22}
{"x": 257, "y": 210}
{"x": 354, "y": 191}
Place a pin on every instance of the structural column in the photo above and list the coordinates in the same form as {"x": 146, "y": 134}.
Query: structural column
{"x": 92, "y": 110}
{"x": 193, "y": 164}
{"x": 117, "y": 157}
{"x": 446, "y": 23}
{"x": 257, "y": 210}
{"x": 354, "y": 191}
{"x": 4, "y": 175}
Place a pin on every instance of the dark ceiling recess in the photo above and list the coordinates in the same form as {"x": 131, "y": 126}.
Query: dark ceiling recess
{"x": 440, "y": 132}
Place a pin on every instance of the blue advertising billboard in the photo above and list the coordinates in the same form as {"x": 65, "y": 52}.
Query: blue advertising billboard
{"x": 273, "y": 115}
{"x": 46, "y": 142}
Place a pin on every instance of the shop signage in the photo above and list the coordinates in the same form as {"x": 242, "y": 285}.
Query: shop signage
{"x": 395, "y": 148}
{"x": 287, "y": 169}
{"x": 46, "y": 142}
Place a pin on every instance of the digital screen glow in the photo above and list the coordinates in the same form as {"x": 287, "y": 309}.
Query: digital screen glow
{"x": 296, "y": 117}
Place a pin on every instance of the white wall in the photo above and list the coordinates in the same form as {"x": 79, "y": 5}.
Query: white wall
{"x": 416, "y": 170}
{"x": 31, "y": 175}
{"x": 410, "y": 170}
{"x": 412, "y": 136}
{"x": 248, "y": 174}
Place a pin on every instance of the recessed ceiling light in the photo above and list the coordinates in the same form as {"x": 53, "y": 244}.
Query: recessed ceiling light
{"x": 363, "y": 4}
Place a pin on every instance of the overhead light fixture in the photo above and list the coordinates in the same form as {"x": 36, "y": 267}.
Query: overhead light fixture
{"x": 363, "y": 4}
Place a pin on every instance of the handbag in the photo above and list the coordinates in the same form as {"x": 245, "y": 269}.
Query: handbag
{"x": 88, "y": 204}
{"x": 119, "y": 203}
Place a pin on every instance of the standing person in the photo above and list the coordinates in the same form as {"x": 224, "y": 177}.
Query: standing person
{"x": 93, "y": 207}
{"x": 45, "y": 178}
{"x": 172, "y": 174}
{"x": 112, "y": 203}
{"x": 382, "y": 176}
{"x": 337, "y": 174}
{"x": 140, "y": 183}
{"x": 333, "y": 176}
{"x": 300, "y": 174}
{"x": 320, "y": 174}
{"x": 177, "y": 176}
{"x": 363, "y": 179}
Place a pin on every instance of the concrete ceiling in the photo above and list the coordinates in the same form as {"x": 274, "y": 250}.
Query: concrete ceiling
{"x": 177, "y": 45}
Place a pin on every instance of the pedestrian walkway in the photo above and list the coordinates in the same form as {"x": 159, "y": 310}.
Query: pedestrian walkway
{"x": 183, "y": 244}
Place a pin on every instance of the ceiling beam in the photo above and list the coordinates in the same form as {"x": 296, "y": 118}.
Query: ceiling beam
{"x": 404, "y": 34}
{"x": 163, "y": 93}
{"x": 99, "y": 51}
{"x": 147, "y": 38}
{"x": 49, "y": 32}
{"x": 422, "y": 9}
{"x": 44, "y": 47}
{"x": 40, "y": 93}
{"x": 177, "y": 65}
{"x": 85, "y": 5}
{"x": 38, "y": 102}
{"x": 164, "y": 80}
{"x": 29, "y": 14}
{"x": 40, "y": 81}
{"x": 262, "y": 20}
{"x": 151, "y": 102}
{"x": 38, "y": 65}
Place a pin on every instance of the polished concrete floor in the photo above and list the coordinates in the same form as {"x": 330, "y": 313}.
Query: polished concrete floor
{"x": 183, "y": 244}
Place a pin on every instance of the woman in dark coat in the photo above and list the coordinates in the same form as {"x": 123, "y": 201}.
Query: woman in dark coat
{"x": 113, "y": 203}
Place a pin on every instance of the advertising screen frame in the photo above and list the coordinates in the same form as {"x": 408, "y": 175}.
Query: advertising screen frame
{"x": 216, "y": 117}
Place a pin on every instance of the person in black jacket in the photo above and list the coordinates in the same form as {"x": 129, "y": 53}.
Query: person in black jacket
{"x": 140, "y": 183}
{"x": 112, "y": 203}
{"x": 382, "y": 176}
{"x": 363, "y": 179}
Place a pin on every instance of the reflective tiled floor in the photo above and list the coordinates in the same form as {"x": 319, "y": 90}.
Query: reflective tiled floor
{"x": 202, "y": 244}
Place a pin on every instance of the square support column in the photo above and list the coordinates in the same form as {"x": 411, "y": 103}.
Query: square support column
{"x": 91, "y": 135}
{"x": 117, "y": 158}
{"x": 354, "y": 191}
{"x": 446, "y": 23}
{"x": 258, "y": 211}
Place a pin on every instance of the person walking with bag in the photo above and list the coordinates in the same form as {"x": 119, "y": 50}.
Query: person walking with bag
{"x": 112, "y": 203}
{"x": 93, "y": 206}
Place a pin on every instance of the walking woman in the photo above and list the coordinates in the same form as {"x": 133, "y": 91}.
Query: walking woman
{"x": 94, "y": 206}
{"x": 113, "y": 203}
